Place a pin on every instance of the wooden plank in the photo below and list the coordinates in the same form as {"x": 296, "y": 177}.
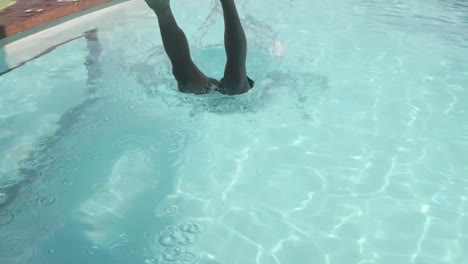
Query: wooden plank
{"x": 14, "y": 19}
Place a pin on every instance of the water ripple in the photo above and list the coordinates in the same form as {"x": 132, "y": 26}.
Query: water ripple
{"x": 173, "y": 209}
{"x": 177, "y": 140}
{"x": 67, "y": 182}
{"x": 29, "y": 164}
{"x": 40, "y": 147}
{"x": 92, "y": 250}
{"x": 15, "y": 247}
{"x": 179, "y": 160}
{"x": 131, "y": 143}
{"x": 193, "y": 228}
{"x": 6, "y": 218}
{"x": 11, "y": 178}
{"x": 45, "y": 201}
{"x": 194, "y": 135}
{"x": 173, "y": 242}
{"x": 120, "y": 251}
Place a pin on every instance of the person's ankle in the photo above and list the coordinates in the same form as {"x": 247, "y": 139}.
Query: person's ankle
{"x": 160, "y": 7}
{"x": 228, "y": 2}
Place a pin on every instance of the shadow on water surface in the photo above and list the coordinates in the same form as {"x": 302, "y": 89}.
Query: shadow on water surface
{"x": 41, "y": 155}
{"x": 92, "y": 229}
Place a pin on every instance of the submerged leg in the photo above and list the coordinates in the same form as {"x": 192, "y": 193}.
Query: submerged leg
{"x": 187, "y": 74}
{"x": 235, "y": 75}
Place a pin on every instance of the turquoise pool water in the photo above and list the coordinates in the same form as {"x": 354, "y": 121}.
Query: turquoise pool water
{"x": 352, "y": 148}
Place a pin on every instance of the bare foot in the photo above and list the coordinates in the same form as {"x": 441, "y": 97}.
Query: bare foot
{"x": 158, "y": 6}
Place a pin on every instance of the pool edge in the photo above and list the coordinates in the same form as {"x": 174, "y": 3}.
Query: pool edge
{"x": 28, "y": 45}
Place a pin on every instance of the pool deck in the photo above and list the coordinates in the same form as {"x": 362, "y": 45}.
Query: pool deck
{"x": 28, "y": 14}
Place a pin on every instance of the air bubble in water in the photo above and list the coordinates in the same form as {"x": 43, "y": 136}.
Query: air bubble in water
{"x": 67, "y": 182}
{"x": 123, "y": 237}
{"x": 42, "y": 192}
{"x": 185, "y": 227}
{"x": 193, "y": 228}
{"x": 172, "y": 209}
{"x": 120, "y": 251}
{"x": 46, "y": 180}
{"x": 167, "y": 239}
{"x": 187, "y": 258}
{"x": 173, "y": 254}
{"x": 40, "y": 147}
{"x": 45, "y": 201}
{"x": 173, "y": 242}
{"x": 186, "y": 239}
{"x": 94, "y": 249}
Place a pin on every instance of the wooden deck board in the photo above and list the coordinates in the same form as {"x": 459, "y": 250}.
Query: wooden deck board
{"x": 14, "y": 19}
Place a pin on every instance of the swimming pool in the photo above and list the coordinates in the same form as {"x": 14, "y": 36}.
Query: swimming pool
{"x": 351, "y": 149}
